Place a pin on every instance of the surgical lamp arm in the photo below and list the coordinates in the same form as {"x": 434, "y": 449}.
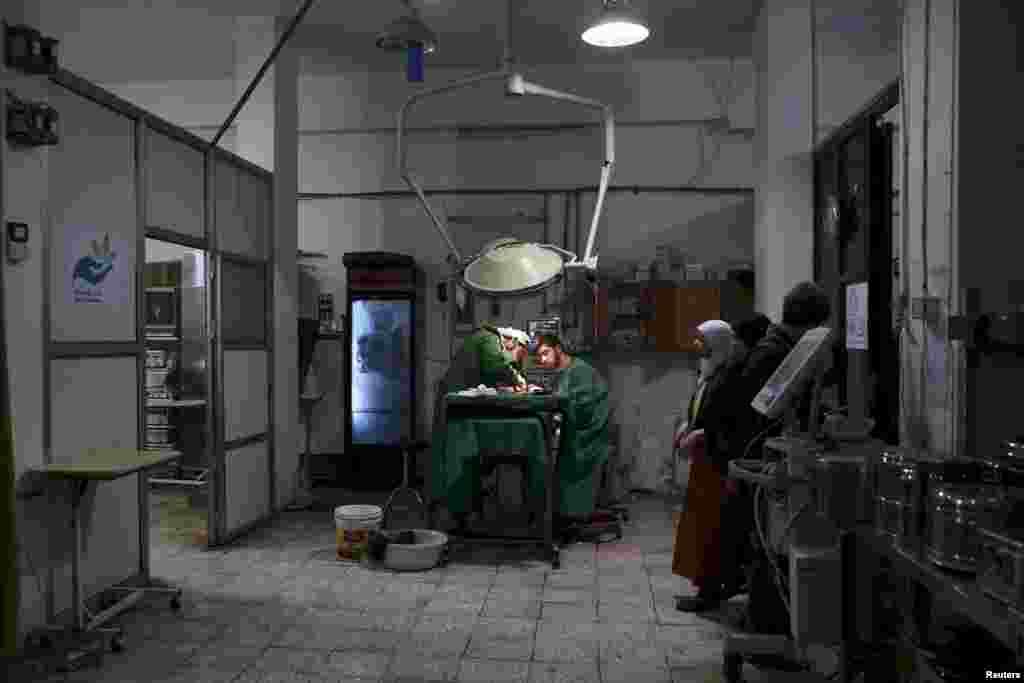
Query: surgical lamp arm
{"x": 401, "y": 144}
{"x": 515, "y": 85}
{"x": 518, "y": 86}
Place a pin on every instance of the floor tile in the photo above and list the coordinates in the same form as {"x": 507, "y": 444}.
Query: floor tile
{"x": 359, "y": 664}
{"x": 502, "y": 639}
{"x": 511, "y": 608}
{"x": 623, "y": 642}
{"x": 547, "y": 672}
{"x": 570, "y": 643}
{"x": 568, "y": 613}
{"x": 491, "y": 671}
{"x": 372, "y": 641}
{"x": 569, "y": 597}
{"x": 413, "y": 668}
{"x": 634, "y": 670}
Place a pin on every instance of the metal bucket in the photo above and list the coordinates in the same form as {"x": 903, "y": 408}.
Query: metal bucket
{"x": 955, "y": 512}
{"x": 892, "y": 484}
{"x": 930, "y": 472}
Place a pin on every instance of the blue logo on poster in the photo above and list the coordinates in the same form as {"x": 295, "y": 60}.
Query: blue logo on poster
{"x": 93, "y": 269}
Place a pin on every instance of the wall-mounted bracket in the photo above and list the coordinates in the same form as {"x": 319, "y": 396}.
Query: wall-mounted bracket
{"x": 31, "y": 124}
{"x": 928, "y": 309}
{"x": 29, "y": 51}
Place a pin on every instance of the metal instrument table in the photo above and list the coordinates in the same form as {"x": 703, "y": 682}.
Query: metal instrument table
{"x": 544, "y": 406}
{"x": 94, "y": 466}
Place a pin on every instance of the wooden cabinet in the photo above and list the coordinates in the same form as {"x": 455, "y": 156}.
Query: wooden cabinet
{"x": 665, "y": 314}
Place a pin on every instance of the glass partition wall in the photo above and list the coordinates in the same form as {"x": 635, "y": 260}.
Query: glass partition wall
{"x": 177, "y": 390}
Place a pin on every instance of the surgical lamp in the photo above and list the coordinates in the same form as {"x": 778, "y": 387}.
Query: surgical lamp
{"x": 511, "y": 267}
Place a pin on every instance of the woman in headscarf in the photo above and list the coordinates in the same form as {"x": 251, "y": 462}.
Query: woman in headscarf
{"x": 696, "y": 554}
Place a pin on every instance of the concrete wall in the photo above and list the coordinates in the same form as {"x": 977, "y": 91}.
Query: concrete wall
{"x": 928, "y": 366}
{"x": 784, "y": 209}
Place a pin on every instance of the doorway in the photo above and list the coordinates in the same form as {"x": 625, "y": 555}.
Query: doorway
{"x": 177, "y": 393}
{"x": 854, "y": 251}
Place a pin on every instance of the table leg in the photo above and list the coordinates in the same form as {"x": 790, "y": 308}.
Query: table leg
{"x": 77, "y": 492}
{"x": 550, "y": 482}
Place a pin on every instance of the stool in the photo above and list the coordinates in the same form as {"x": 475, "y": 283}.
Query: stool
{"x": 491, "y": 460}
{"x": 409, "y": 448}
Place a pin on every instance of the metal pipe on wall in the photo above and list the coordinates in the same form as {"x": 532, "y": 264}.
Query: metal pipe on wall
{"x": 635, "y": 189}
{"x": 299, "y": 16}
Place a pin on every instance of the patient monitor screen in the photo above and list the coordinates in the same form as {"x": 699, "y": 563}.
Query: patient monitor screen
{"x": 789, "y": 378}
{"x": 381, "y": 371}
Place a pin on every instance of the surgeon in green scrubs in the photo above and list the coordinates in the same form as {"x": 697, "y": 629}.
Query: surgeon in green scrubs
{"x": 585, "y": 427}
{"x": 490, "y": 356}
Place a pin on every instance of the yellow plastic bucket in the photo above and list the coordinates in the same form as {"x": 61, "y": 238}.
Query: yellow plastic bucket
{"x": 353, "y": 524}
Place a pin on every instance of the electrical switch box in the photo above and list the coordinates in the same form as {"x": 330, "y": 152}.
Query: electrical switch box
{"x": 31, "y": 124}
{"x": 16, "y": 241}
{"x": 1004, "y": 328}
{"x": 29, "y": 51}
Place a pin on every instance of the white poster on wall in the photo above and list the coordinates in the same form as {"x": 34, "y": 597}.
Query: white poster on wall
{"x": 857, "y": 316}
{"x": 98, "y": 271}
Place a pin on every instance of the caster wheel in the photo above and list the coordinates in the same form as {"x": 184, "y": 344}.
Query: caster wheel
{"x": 732, "y": 668}
{"x": 556, "y": 559}
{"x": 117, "y": 644}
{"x": 176, "y": 602}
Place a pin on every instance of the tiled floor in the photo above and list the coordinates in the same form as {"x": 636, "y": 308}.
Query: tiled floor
{"x": 278, "y": 608}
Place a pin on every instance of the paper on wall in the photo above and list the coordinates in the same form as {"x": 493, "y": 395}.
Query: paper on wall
{"x": 857, "y": 316}
{"x": 98, "y": 270}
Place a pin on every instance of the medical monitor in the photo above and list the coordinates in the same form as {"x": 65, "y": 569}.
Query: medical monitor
{"x": 792, "y": 376}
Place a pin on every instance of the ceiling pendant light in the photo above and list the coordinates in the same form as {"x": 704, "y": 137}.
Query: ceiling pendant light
{"x": 617, "y": 26}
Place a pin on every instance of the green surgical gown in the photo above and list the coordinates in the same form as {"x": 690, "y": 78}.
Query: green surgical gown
{"x": 584, "y": 436}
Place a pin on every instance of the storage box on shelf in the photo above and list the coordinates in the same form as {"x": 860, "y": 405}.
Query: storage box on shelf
{"x": 660, "y": 315}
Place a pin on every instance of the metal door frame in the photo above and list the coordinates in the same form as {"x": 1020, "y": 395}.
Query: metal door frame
{"x": 879, "y": 275}
{"x": 221, "y": 447}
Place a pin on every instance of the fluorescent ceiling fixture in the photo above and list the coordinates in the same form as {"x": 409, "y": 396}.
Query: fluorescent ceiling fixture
{"x": 616, "y": 27}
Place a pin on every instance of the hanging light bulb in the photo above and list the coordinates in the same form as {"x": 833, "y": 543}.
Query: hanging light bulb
{"x": 617, "y": 26}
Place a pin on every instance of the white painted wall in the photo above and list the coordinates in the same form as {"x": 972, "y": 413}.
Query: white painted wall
{"x": 24, "y": 198}
{"x": 784, "y": 210}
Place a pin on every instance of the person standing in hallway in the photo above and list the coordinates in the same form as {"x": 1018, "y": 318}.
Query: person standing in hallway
{"x": 696, "y": 555}
{"x": 805, "y": 307}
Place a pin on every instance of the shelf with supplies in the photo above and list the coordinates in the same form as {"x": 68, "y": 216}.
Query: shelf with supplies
{"x": 661, "y": 315}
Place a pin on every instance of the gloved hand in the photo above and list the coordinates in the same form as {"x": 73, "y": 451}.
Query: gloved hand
{"x": 691, "y": 440}
{"x": 692, "y": 444}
